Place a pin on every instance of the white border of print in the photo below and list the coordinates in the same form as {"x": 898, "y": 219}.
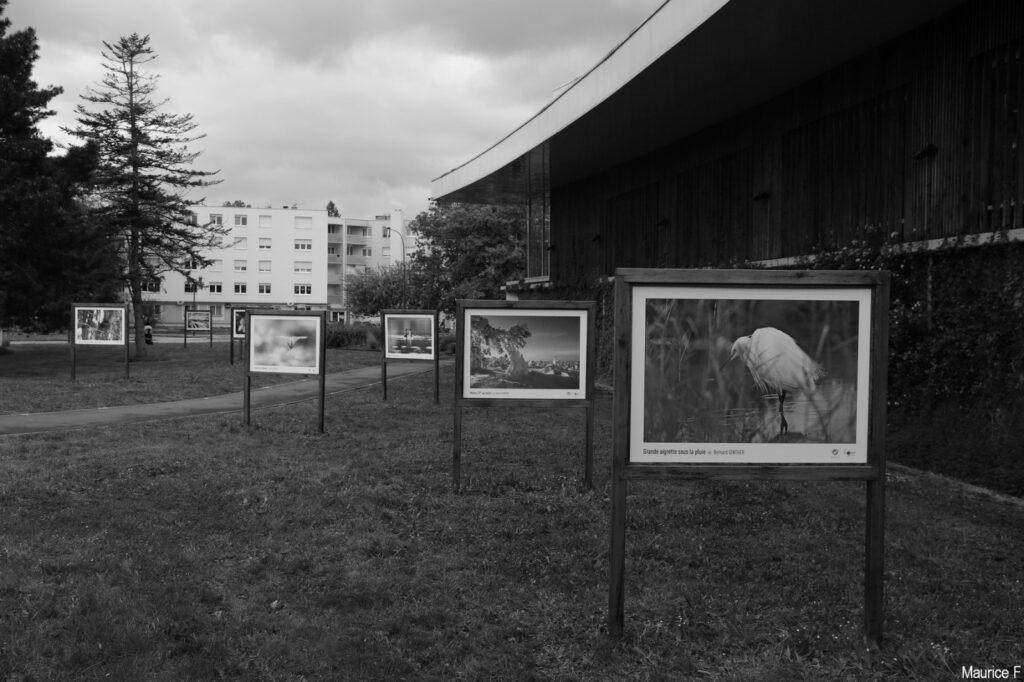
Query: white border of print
{"x": 523, "y": 393}
{"x": 238, "y": 315}
{"x": 259, "y": 361}
{"x": 390, "y": 318}
{"x": 198, "y": 320}
{"x": 644, "y": 452}
{"x": 120, "y": 341}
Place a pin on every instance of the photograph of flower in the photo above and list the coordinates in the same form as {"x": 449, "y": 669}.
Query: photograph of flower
{"x": 757, "y": 374}
{"x": 98, "y": 325}
{"x": 409, "y": 336}
{"x": 284, "y": 344}
{"x": 525, "y": 353}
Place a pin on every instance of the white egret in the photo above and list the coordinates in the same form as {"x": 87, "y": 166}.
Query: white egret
{"x": 778, "y": 363}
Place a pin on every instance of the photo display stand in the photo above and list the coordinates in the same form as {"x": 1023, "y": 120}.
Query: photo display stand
{"x": 237, "y": 332}
{"x": 751, "y": 374}
{"x": 410, "y": 335}
{"x": 198, "y": 321}
{"x": 98, "y": 324}
{"x": 285, "y": 342}
{"x": 530, "y": 353}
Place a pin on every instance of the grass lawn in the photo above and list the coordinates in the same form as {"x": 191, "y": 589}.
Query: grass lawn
{"x": 200, "y": 550}
{"x": 37, "y": 377}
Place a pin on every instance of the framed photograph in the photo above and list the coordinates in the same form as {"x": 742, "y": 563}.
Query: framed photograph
{"x": 410, "y": 336}
{"x": 198, "y": 320}
{"x": 285, "y": 344}
{"x": 238, "y": 323}
{"x": 524, "y": 353}
{"x": 99, "y": 325}
{"x": 757, "y": 374}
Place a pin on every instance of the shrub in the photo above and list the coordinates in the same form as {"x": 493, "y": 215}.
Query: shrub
{"x": 446, "y": 344}
{"x": 358, "y": 335}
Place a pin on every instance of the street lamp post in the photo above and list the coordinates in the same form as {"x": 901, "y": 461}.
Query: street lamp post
{"x": 405, "y": 274}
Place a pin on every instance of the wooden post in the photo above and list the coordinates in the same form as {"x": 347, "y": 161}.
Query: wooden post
{"x": 248, "y": 368}
{"x": 620, "y": 458}
{"x": 323, "y": 367}
{"x": 874, "y": 559}
{"x": 127, "y": 347}
{"x": 437, "y": 365}
{"x": 457, "y": 448}
{"x": 617, "y": 559}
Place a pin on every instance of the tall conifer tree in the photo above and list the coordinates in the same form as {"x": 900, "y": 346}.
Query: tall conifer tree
{"x": 145, "y": 173}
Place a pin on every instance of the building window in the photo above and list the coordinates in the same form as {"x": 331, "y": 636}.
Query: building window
{"x": 303, "y": 266}
{"x": 304, "y": 289}
{"x": 266, "y": 221}
{"x": 241, "y": 220}
{"x": 151, "y": 285}
{"x": 240, "y": 287}
{"x": 216, "y": 288}
{"x": 386, "y": 252}
{"x": 241, "y": 243}
{"x": 303, "y": 244}
{"x": 264, "y": 242}
{"x": 303, "y": 222}
{"x": 241, "y": 265}
{"x": 216, "y": 266}
{"x": 264, "y": 288}
{"x": 358, "y": 231}
{"x": 218, "y": 310}
{"x": 264, "y": 266}
{"x": 216, "y": 219}
{"x": 190, "y": 286}
{"x": 332, "y": 250}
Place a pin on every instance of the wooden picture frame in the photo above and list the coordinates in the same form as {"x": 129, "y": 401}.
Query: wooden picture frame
{"x": 548, "y": 361}
{"x": 862, "y": 460}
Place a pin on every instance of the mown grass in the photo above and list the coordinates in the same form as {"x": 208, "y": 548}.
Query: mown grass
{"x": 275, "y": 552}
{"x": 37, "y": 377}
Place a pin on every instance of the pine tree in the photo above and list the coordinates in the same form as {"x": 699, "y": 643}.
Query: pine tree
{"x": 145, "y": 172}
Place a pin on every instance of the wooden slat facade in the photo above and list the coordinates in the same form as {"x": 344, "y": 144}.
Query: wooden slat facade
{"x": 920, "y": 138}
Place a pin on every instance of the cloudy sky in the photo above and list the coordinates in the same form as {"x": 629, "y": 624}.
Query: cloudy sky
{"x": 360, "y": 102}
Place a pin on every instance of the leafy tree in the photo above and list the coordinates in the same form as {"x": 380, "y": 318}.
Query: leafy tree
{"x": 145, "y": 172}
{"x": 466, "y": 251}
{"x": 371, "y": 291}
{"x": 50, "y": 254}
{"x": 332, "y": 210}
{"x": 237, "y": 203}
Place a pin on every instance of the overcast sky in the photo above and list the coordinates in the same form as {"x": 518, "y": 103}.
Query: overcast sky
{"x": 360, "y": 102}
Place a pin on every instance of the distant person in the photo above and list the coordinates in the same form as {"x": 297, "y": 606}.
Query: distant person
{"x": 148, "y": 329}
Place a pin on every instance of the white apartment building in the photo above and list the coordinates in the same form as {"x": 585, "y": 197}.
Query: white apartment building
{"x": 284, "y": 258}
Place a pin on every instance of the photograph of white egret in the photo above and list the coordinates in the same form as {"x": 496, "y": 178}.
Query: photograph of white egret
{"x": 749, "y": 375}
{"x": 198, "y": 320}
{"x": 525, "y": 353}
{"x": 99, "y": 326}
{"x": 284, "y": 344}
{"x": 409, "y": 336}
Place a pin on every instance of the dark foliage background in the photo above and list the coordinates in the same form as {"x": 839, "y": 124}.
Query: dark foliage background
{"x": 956, "y": 351}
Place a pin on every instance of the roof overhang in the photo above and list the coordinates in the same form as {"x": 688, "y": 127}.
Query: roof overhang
{"x": 691, "y": 64}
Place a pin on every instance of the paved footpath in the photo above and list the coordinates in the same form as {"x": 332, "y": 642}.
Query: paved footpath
{"x": 268, "y": 396}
